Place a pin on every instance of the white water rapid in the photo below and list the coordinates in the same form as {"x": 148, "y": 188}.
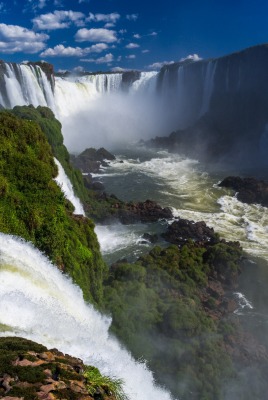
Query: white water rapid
{"x": 67, "y": 188}
{"x": 39, "y": 303}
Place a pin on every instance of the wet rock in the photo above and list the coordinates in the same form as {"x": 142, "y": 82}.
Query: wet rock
{"x": 90, "y": 160}
{"x": 249, "y": 190}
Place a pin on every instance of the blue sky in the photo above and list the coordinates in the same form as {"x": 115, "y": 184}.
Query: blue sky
{"x": 96, "y": 35}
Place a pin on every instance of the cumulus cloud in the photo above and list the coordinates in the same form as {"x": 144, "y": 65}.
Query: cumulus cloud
{"x": 95, "y": 35}
{"x": 58, "y": 20}
{"x": 132, "y": 17}
{"x": 137, "y": 36}
{"x": 102, "y": 60}
{"x": 62, "y": 51}
{"x": 145, "y": 51}
{"x": 193, "y": 57}
{"x": 152, "y": 34}
{"x": 158, "y": 65}
{"x": 132, "y": 46}
{"x": 15, "y": 39}
{"x": 131, "y": 56}
{"x": 108, "y": 18}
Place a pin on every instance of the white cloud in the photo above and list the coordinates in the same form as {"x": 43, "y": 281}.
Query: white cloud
{"x": 83, "y": 1}
{"x": 132, "y": 46}
{"x": 98, "y": 48}
{"x": 137, "y": 36}
{"x": 158, "y": 65}
{"x": 14, "y": 39}
{"x": 145, "y": 51}
{"x": 122, "y": 31}
{"x": 131, "y": 56}
{"x": 193, "y": 57}
{"x": 102, "y": 60}
{"x": 58, "y": 20}
{"x": 62, "y": 51}
{"x": 108, "y": 18}
{"x": 95, "y": 35}
{"x": 132, "y": 17}
{"x": 153, "y": 34}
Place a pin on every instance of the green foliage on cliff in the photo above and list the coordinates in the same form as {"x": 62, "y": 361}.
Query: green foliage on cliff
{"x": 52, "y": 129}
{"x": 33, "y": 206}
{"x": 160, "y": 311}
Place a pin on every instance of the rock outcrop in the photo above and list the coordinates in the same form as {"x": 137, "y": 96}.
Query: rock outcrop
{"x": 30, "y": 371}
{"x": 90, "y": 160}
{"x": 249, "y": 190}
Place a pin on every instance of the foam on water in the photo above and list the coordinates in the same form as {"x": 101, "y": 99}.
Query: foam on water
{"x": 55, "y": 314}
{"x": 65, "y": 184}
{"x": 193, "y": 194}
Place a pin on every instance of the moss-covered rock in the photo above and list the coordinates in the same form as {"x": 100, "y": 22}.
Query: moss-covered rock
{"x": 30, "y": 371}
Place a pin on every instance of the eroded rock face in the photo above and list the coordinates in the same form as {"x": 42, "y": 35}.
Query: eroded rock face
{"x": 30, "y": 371}
{"x": 249, "y": 190}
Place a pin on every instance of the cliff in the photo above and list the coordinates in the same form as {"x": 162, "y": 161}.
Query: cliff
{"x": 34, "y": 207}
{"x": 220, "y": 106}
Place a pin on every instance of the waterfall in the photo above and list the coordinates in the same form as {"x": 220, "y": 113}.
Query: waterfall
{"x": 39, "y": 303}
{"x": 208, "y": 86}
{"x": 23, "y": 85}
{"x": 65, "y": 184}
{"x": 146, "y": 83}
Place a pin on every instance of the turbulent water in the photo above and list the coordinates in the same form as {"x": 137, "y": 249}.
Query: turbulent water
{"x": 55, "y": 314}
{"x": 192, "y": 192}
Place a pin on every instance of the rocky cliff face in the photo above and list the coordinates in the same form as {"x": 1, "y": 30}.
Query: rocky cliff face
{"x": 222, "y": 103}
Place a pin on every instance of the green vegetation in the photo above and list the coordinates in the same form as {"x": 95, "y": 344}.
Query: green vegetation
{"x": 97, "y": 382}
{"x": 32, "y": 205}
{"x": 158, "y": 309}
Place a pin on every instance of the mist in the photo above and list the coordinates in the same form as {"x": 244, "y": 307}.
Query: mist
{"x": 111, "y": 120}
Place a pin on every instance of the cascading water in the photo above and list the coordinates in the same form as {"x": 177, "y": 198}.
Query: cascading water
{"x": 65, "y": 184}
{"x": 208, "y": 86}
{"x": 55, "y": 314}
{"x": 24, "y": 85}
